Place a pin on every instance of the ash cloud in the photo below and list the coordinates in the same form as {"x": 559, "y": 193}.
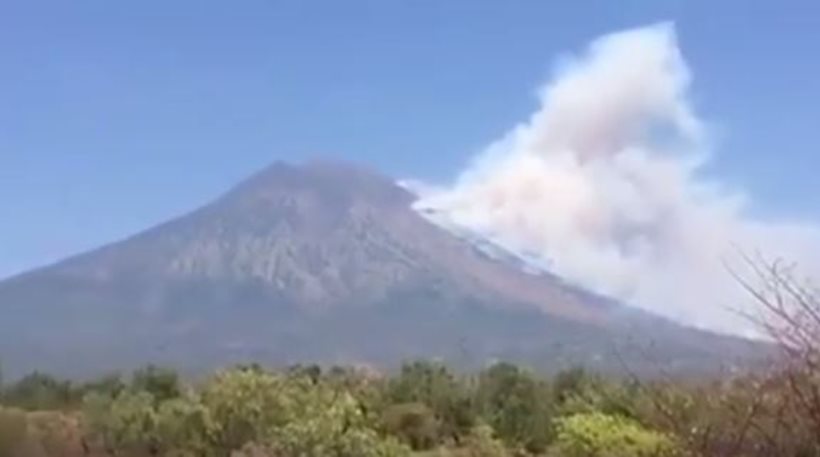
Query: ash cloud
{"x": 603, "y": 184}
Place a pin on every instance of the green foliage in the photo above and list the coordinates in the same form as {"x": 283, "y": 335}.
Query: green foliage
{"x": 39, "y": 391}
{"x": 244, "y": 405}
{"x": 289, "y": 415}
{"x": 134, "y": 421}
{"x": 110, "y": 385}
{"x": 569, "y": 382}
{"x": 162, "y": 383}
{"x": 602, "y": 435}
{"x": 312, "y": 372}
{"x": 432, "y": 384}
{"x": 330, "y": 424}
{"x": 414, "y": 423}
{"x": 481, "y": 442}
{"x": 305, "y": 411}
{"x": 366, "y": 387}
{"x": 240, "y": 411}
{"x": 577, "y": 391}
{"x": 601, "y": 396}
{"x": 128, "y": 421}
{"x": 183, "y": 426}
{"x": 517, "y": 406}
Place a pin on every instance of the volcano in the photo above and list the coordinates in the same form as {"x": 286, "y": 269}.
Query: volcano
{"x": 323, "y": 262}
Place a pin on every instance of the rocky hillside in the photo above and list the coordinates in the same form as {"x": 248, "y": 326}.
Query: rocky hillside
{"x": 327, "y": 262}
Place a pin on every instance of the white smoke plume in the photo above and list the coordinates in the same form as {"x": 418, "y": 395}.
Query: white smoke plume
{"x": 603, "y": 184}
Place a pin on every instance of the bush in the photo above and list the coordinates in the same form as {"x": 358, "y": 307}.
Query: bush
{"x": 162, "y": 383}
{"x": 39, "y": 391}
{"x": 261, "y": 413}
{"x": 244, "y": 405}
{"x": 482, "y": 443}
{"x": 602, "y": 435}
{"x": 414, "y": 423}
{"x": 324, "y": 422}
{"x": 127, "y": 422}
{"x": 432, "y": 384}
{"x": 183, "y": 425}
{"x": 517, "y": 405}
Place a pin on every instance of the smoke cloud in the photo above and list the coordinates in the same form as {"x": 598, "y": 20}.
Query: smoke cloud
{"x": 603, "y": 186}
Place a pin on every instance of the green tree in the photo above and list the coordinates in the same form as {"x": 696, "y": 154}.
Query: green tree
{"x": 162, "y": 383}
{"x": 39, "y": 391}
{"x": 329, "y": 423}
{"x": 602, "y": 435}
{"x": 368, "y": 389}
{"x": 481, "y": 442}
{"x": 110, "y": 385}
{"x": 517, "y": 405}
{"x": 568, "y": 383}
{"x": 183, "y": 427}
{"x": 414, "y": 423}
{"x": 432, "y": 384}
{"x": 244, "y": 405}
{"x": 312, "y": 371}
{"x": 127, "y": 422}
{"x": 289, "y": 415}
{"x": 577, "y": 391}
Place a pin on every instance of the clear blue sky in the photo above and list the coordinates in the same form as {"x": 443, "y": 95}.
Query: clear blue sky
{"x": 115, "y": 115}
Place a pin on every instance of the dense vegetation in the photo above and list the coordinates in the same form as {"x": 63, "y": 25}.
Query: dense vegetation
{"x": 423, "y": 410}
{"x": 428, "y": 410}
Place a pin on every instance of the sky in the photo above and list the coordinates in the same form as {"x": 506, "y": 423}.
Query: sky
{"x": 115, "y": 116}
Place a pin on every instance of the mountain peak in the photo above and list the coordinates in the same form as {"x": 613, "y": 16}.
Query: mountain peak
{"x": 325, "y": 260}
{"x": 335, "y": 182}
{"x": 334, "y": 166}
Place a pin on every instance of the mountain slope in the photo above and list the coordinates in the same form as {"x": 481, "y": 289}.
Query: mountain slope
{"x": 324, "y": 262}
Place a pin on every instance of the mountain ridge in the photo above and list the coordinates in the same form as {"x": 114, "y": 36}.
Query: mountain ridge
{"x": 325, "y": 260}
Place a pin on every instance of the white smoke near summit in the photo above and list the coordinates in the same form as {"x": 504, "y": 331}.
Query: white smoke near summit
{"x": 602, "y": 183}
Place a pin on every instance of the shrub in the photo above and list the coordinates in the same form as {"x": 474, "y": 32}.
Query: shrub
{"x": 517, "y": 405}
{"x": 413, "y": 423}
{"x": 432, "y": 384}
{"x": 481, "y": 442}
{"x": 602, "y": 435}
{"x": 39, "y": 391}
{"x": 260, "y": 413}
{"x": 162, "y": 383}
{"x": 127, "y": 422}
{"x": 244, "y": 405}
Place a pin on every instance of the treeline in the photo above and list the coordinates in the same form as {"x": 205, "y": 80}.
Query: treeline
{"x": 425, "y": 410}
{"x": 42, "y": 392}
